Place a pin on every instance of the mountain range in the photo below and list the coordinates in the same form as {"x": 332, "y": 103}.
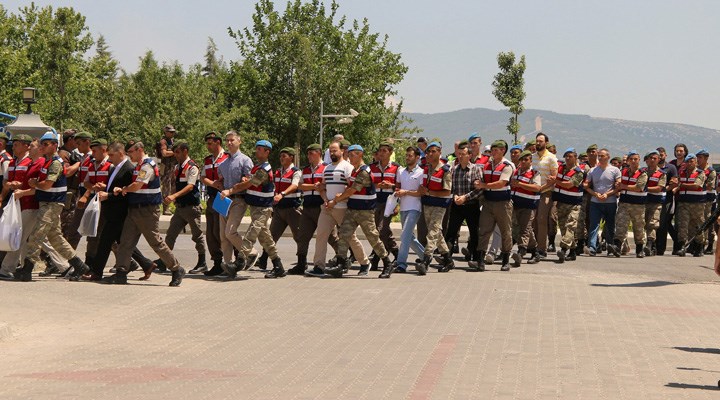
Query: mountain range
{"x": 567, "y": 130}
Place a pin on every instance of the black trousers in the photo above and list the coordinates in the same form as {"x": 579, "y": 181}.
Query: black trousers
{"x": 468, "y": 212}
{"x": 666, "y": 226}
{"x": 110, "y": 235}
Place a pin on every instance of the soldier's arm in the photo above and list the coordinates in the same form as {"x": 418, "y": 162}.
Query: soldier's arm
{"x": 192, "y": 176}
{"x": 146, "y": 174}
{"x": 503, "y": 181}
{"x": 294, "y": 183}
{"x": 576, "y": 181}
{"x": 259, "y": 178}
{"x": 639, "y": 186}
{"x": 164, "y": 149}
{"x": 362, "y": 180}
{"x": 698, "y": 184}
{"x": 54, "y": 171}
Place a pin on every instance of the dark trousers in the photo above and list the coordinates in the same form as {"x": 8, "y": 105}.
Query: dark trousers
{"x": 107, "y": 238}
{"x": 468, "y": 212}
{"x": 282, "y": 219}
{"x": 212, "y": 231}
{"x": 383, "y": 227}
{"x": 666, "y": 226}
{"x": 422, "y": 230}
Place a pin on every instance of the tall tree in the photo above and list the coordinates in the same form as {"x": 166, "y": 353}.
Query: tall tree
{"x": 294, "y": 60}
{"x": 509, "y": 89}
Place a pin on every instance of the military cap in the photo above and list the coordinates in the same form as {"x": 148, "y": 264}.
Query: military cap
{"x": 569, "y": 150}
{"x": 214, "y": 136}
{"x": 499, "y": 143}
{"x": 690, "y": 156}
{"x": 582, "y": 155}
{"x": 98, "y": 142}
{"x": 84, "y": 135}
{"x": 702, "y": 152}
{"x": 49, "y": 136}
{"x": 132, "y": 142}
{"x": 21, "y": 137}
{"x": 263, "y": 143}
{"x": 433, "y": 144}
{"x": 169, "y": 128}
{"x": 632, "y": 153}
{"x": 421, "y": 139}
{"x": 592, "y": 147}
{"x": 650, "y": 153}
{"x": 4, "y": 137}
{"x": 356, "y": 147}
{"x": 524, "y": 154}
{"x": 344, "y": 143}
{"x": 532, "y": 142}
{"x": 288, "y": 150}
{"x": 314, "y": 146}
{"x": 474, "y": 136}
{"x": 463, "y": 143}
{"x": 618, "y": 159}
{"x": 516, "y": 147}
{"x": 386, "y": 143}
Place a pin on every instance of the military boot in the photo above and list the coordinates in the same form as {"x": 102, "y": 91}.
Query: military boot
{"x": 278, "y": 271}
{"x": 299, "y": 268}
{"x": 177, "y": 277}
{"x": 447, "y": 263}
{"x": 572, "y": 255}
{"x": 388, "y": 268}
{"x": 118, "y": 278}
{"x": 79, "y": 268}
{"x": 374, "y": 261}
{"x": 639, "y": 250}
{"x": 505, "y": 266}
{"x": 262, "y": 261}
{"x": 561, "y": 255}
{"x": 336, "y": 268}
{"x": 201, "y": 266}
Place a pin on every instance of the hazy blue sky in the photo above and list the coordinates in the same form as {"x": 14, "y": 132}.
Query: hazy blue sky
{"x": 641, "y": 60}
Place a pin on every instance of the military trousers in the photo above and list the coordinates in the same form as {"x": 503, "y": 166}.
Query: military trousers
{"x": 285, "y": 217}
{"x": 628, "y": 213}
{"x": 143, "y": 221}
{"x": 652, "y": 220}
{"x": 522, "y": 222}
{"x": 48, "y": 226}
{"x": 15, "y": 258}
{"x": 183, "y": 216}
{"x": 497, "y": 213}
{"x": 383, "y": 226}
{"x": 568, "y": 216}
{"x": 259, "y": 230}
{"x": 434, "y": 217}
{"x": 364, "y": 219}
{"x": 689, "y": 218}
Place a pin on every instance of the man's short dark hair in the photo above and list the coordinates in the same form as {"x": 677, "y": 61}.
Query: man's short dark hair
{"x": 463, "y": 146}
{"x": 661, "y": 150}
{"x": 422, "y": 140}
{"x": 547, "y": 138}
{"x": 415, "y": 150}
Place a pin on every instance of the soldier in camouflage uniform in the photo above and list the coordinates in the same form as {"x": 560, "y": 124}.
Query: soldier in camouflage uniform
{"x": 164, "y": 153}
{"x": 581, "y": 233}
{"x": 710, "y": 193}
{"x": 50, "y": 191}
{"x": 690, "y": 204}
{"x": 259, "y": 195}
{"x": 361, "y": 197}
{"x": 568, "y": 196}
{"x": 657, "y": 179}
{"x": 631, "y": 207}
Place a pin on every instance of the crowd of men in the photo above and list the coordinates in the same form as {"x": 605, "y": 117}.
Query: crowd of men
{"x": 513, "y": 200}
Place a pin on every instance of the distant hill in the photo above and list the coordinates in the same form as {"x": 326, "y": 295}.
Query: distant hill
{"x": 566, "y": 130}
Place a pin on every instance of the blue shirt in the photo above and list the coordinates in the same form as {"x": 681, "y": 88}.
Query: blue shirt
{"x": 234, "y": 168}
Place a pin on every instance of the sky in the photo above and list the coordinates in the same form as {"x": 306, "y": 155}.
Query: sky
{"x": 639, "y": 60}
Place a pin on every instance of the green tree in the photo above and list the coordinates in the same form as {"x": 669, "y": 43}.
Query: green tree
{"x": 294, "y": 60}
{"x": 509, "y": 88}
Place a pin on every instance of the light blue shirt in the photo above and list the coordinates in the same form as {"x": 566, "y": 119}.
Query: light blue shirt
{"x": 234, "y": 168}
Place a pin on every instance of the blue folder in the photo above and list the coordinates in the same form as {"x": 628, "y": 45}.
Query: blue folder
{"x": 222, "y": 205}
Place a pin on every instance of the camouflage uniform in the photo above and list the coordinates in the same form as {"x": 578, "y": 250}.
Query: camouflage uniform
{"x": 631, "y": 212}
{"x": 710, "y": 182}
{"x": 259, "y": 229}
{"x": 68, "y": 221}
{"x": 581, "y": 229}
{"x": 689, "y": 215}
{"x": 568, "y": 217}
{"x": 652, "y": 213}
{"x": 363, "y": 218}
{"x": 167, "y": 169}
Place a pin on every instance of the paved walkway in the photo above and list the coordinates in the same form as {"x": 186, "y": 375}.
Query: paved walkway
{"x": 599, "y": 328}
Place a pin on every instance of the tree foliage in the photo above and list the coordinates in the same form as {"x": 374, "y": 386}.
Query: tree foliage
{"x": 509, "y": 88}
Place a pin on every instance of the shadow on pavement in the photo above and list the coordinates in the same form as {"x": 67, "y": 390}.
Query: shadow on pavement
{"x": 697, "y": 369}
{"x": 691, "y": 386}
{"x": 637, "y": 284}
{"x": 698, "y": 350}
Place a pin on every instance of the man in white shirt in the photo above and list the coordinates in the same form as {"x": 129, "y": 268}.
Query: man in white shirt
{"x": 408, "y": 182}
{"x": 335, "y": 178}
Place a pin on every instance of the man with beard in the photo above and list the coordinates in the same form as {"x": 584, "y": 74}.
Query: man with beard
{"x": 546, "y": 163}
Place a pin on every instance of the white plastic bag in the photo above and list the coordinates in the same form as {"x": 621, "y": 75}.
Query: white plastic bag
{"x": 11, "y": 226}
{"x": 392, "y": 202}
{"x": 91, "y": 218}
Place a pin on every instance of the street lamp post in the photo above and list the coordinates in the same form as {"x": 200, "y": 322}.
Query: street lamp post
{"x": 341, "y": 119}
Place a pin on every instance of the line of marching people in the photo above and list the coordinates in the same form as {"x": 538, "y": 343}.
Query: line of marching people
{"x": 513, "y": 200}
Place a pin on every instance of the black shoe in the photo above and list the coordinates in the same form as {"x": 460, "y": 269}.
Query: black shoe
{"x": 79, "y": 268}
{"x": 551, "y": 248}
{"x": 231, "y": 269}
{"x": 240, "y": 264}
{"x": 301, "y": 263}
{"x": 177, "y": 277}
{"x": 592, "y": 252}
{"x": 455, "y": 248}
{"x": 561, "y": 256}
{"x": 215, "y": 270}
{"x": 201, "y": 266}
{"x": 505, "y": 259}
{"x": 517, "y": 260}
{"x": 639, "y": 250}
{"x": 336, "y": 269}
{"x": 315, "y": 272}
{"x": 24, "y": 273}
{"x": 388, "y": 268}
{"x": 681, "y": 250}
{"x": 614, "y": 249}
{"x": 118, "y": 278}
{"x": 161, "y": 267}
{"x": 447, "y": 263}
{"x": 134, "y": 266}
{"x": 420, "y": 267}
{"x": 536, "y": 259}
{"x": 572, "y": 256}
{"x": 278, "y": 271}
{"x": 50, "y": 267}
{"x": 363, "y": 271}
{"x": 374, "y": 261}
{"x": 262, "y": 261}
{"x": 709, "y": 249}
